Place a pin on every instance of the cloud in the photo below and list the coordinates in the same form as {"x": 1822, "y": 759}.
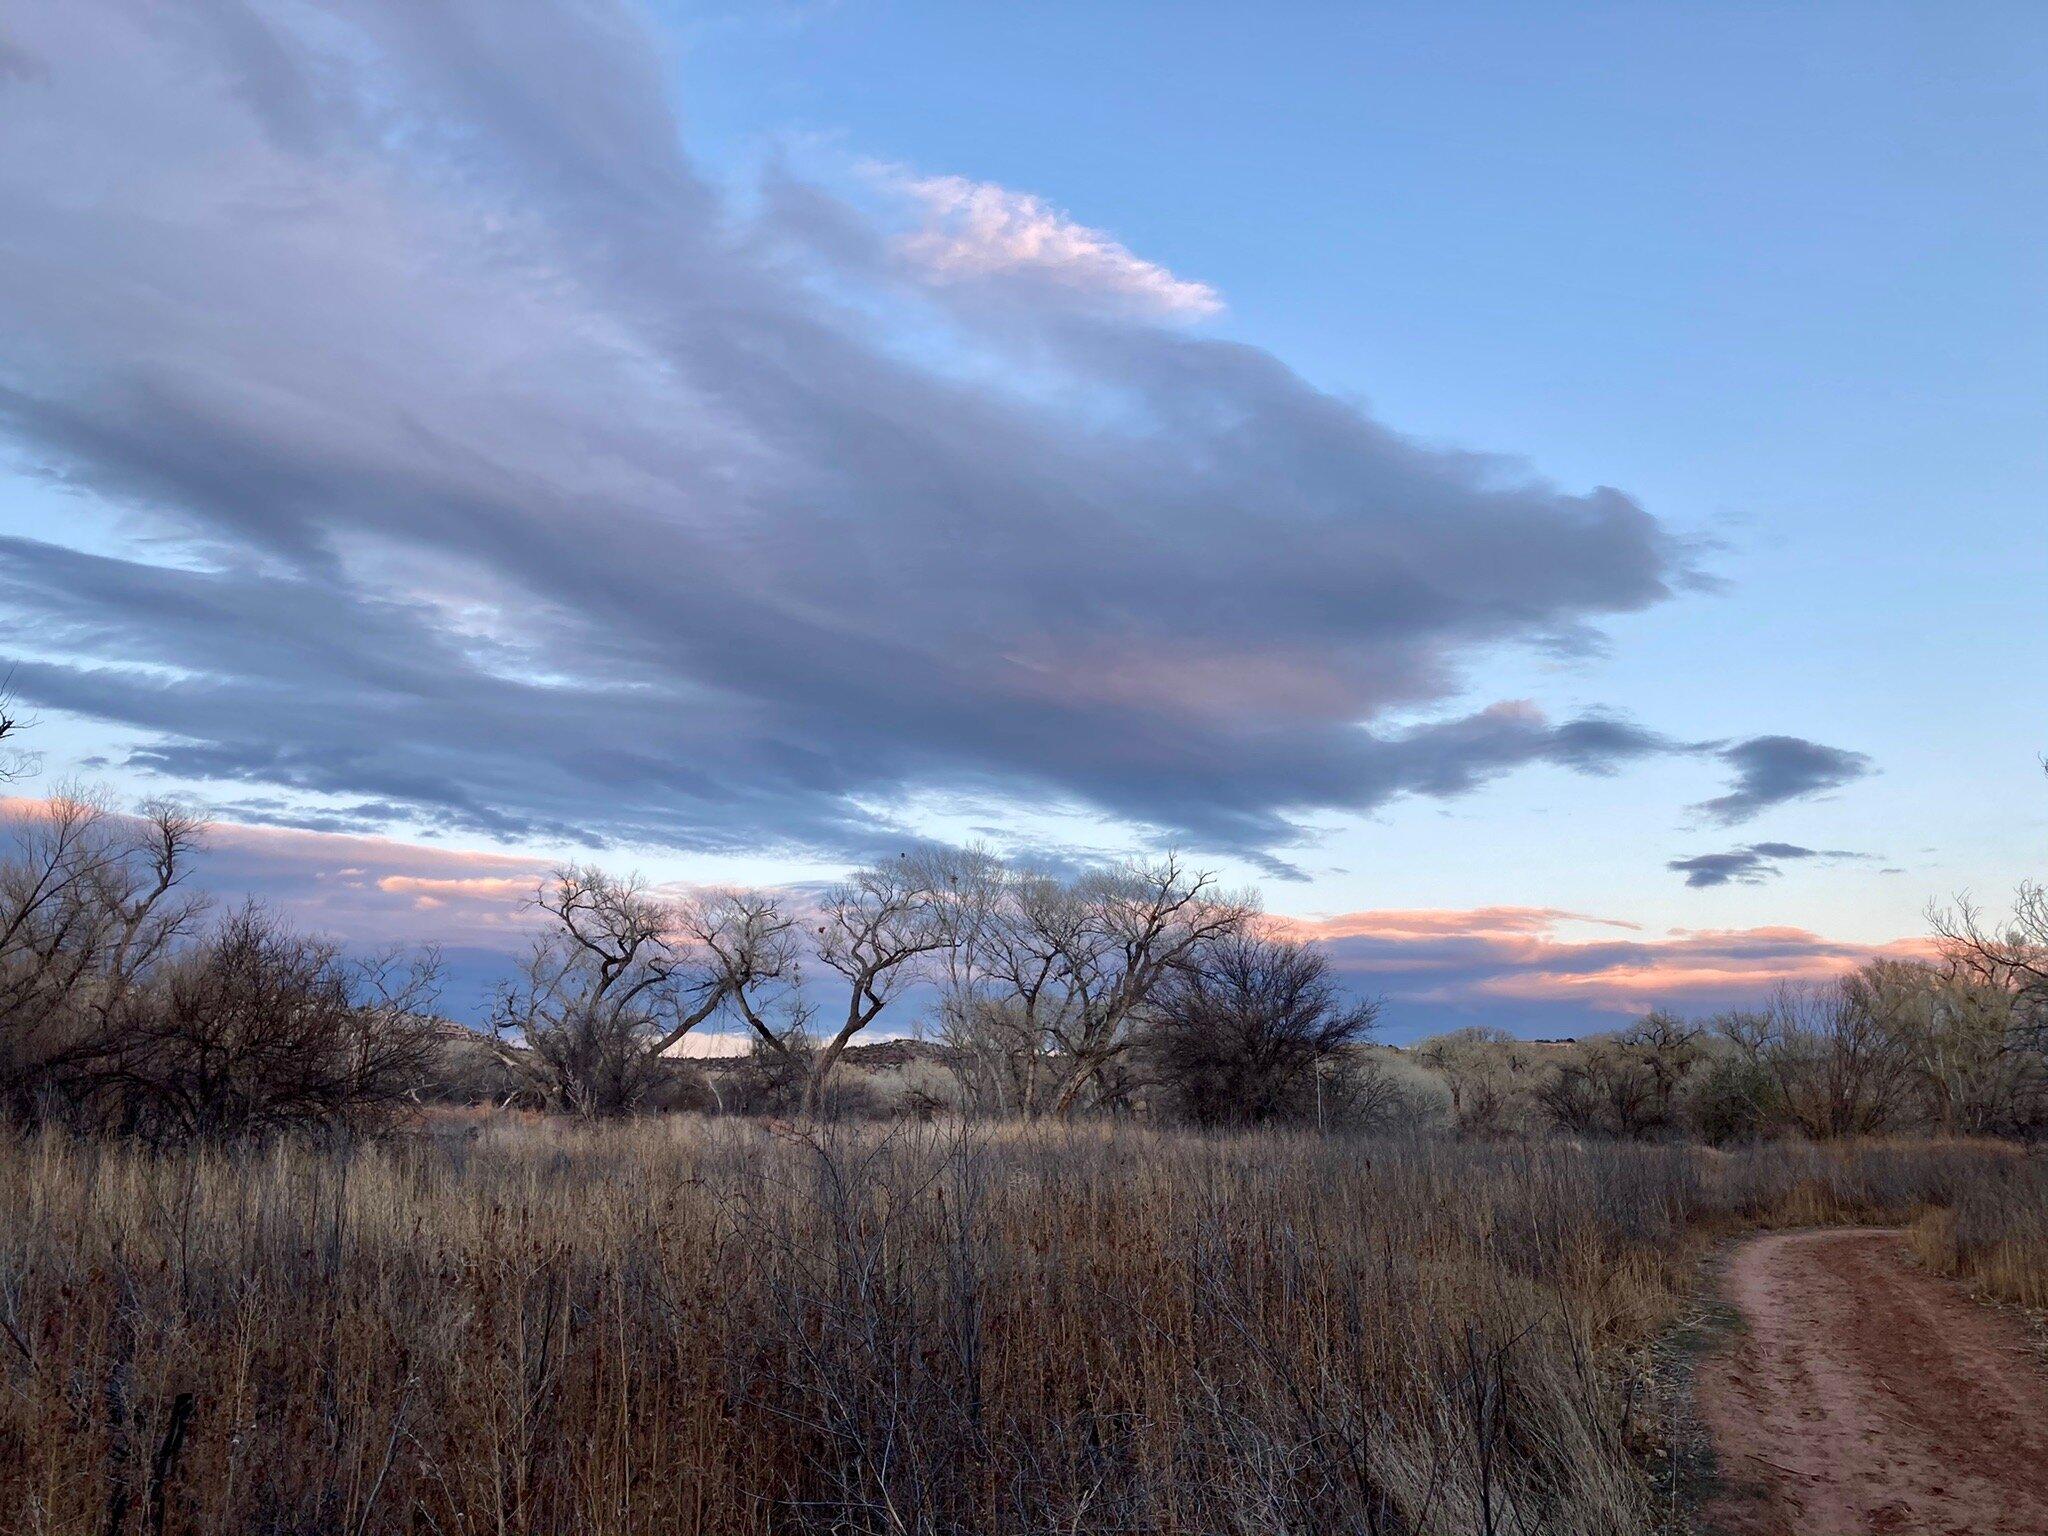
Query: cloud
{"x": 1770, "y": 770}
{"x": 978, "y": 230}
{"x": 372, "y": 891}
{"x": 1751, "y": 864}
{"x": 1540, "y": 970}
{"x": 498, "y": 472}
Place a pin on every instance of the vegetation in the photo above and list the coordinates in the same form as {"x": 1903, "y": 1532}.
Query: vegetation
{"x": 688, "y": 1325}
{"x": 1154, "y": 1237}
{"x": 1142, "y": 987}
{"x": 125, "y": 1007}
{"x": 1894, "y": 1048}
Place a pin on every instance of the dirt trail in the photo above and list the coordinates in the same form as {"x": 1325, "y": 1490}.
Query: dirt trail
{"x": 1869, "y": 1396}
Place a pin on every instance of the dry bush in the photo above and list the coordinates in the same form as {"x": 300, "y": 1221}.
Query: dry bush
{"x": 700, "y": 1326}
{"x": 1250, "y": 1032}
{"x": 256, "y": 1030}
{"x": 1492, "y": 1080}
{"x": 1994, "y": 1233}
{"x": 1893, "y": 1048}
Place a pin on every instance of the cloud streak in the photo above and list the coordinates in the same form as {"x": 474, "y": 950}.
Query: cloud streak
{"x": 1751, "y": 864}
{"x": 503, "y": 474}
{"x": 1541, "y": 970}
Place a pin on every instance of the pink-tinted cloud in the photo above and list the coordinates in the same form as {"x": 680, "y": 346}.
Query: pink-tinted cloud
{"x": 360, "y": 889}
{"x": 977, "y": 229}
{"x": 1544, "y": 968}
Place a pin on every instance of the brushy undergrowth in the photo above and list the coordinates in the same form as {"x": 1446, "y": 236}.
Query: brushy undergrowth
{"x": 717, "y": 1327}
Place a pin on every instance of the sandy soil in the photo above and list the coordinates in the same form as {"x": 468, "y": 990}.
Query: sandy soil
{"x": 1866, "y": 1395}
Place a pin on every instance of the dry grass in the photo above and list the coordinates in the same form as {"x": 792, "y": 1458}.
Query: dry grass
{"x": 704, "y": 1326}
{"x": 1993, "y": 1233}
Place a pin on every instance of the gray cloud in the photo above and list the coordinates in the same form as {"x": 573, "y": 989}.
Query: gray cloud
{"x": 1770, "y": 770}
{"x": 505, "y": 474}
{"x": 1751, "y": 864}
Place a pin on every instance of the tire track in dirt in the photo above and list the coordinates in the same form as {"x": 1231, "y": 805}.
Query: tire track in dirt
{"x": 1867, "y": 1396}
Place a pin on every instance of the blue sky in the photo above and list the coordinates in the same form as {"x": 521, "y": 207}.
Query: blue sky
{"x": 1767, "y": 272}
{"x": 1773, "y": 270}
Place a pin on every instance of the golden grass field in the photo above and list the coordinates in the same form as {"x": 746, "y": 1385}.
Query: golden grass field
{"x": 696, "y": 1326}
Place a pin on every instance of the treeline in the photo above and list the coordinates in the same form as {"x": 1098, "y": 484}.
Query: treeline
{"x": 1951, "y": 1049}
{"x": 127, "y": 1004}
{"x": 1140, "y": 985}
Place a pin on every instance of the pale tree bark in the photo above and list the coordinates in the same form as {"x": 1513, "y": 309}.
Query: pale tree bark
{"x": 620, "y": 976}
{"x": 1143, "y": 921}
{"x": 880, "y": 930}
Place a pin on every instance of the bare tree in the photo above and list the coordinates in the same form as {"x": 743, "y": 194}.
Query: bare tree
{"x": 1599, "y": 1088}
{"x": 1139, "y": 925}
{"x": 142, "y": 892}
{"x": 1667, "y": 1048}
{"x": 1836, "y": 1057}
{"x": 1010, "y": 985}
{"x": 90, "y": 902}
{"x": 1052, "y": 979}
{"x": 14, "y": 763}
{"x": 620, "y": 976}
{"x": 1981, "y": 1070}
{"x": 880, "y": 930}
{"x": 753, "y": 949}
{"x": 2011, "y": 957}
{"x": 1625, "y": 1084}
{"x": 117, "y": 1012}
{"x": 1247, "y": 1032}
{"x": 1492, "y": 1079}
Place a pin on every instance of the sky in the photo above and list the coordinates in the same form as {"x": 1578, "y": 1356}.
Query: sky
{"x": 1552, "y": 493}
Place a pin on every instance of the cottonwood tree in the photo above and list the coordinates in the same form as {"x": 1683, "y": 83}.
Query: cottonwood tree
{"x": 1492, "y": 1079}
{"x": 1142, "y": 923}
{"x": 881, "y": 931}
{"x": 1979, "y": 1069}
{"x": 1627, "y": 1083}
{"x": 1599, "y": 1088}
{"x": 619, "y": 976}
{"x": 1010, "y": 985}
{"x": 2009, "y": 957}
{"x": 1666, "y": 1048}
{"x": 1057, "y": 977}
{"x": 1835, "y": 1056}
{"x": 2000, "y": 968}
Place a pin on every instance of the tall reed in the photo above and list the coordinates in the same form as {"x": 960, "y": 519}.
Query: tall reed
{"x": 715, "y": 1327}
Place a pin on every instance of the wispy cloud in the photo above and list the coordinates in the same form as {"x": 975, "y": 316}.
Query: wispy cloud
{"x": 978, "y": 230}
{"x": 501, "y": 473}
{"x": 1751, "y": 864}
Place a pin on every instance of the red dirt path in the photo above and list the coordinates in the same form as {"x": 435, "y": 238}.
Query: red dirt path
{"x": 1869, "y": 1396}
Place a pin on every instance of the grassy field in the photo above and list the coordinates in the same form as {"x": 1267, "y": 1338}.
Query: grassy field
{"x": 711, "y": 1326}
